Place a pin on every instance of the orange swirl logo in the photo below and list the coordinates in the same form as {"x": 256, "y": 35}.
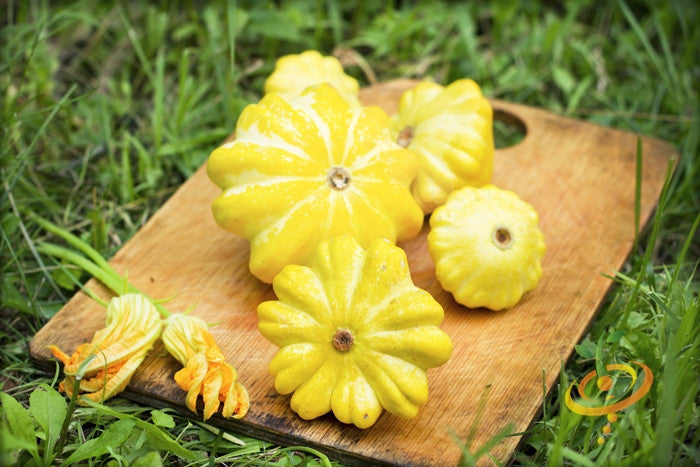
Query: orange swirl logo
{"x": 606, "y": 384}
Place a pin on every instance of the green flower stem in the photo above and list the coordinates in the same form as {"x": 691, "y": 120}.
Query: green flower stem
{"x": 75, "y": 242}
{"x": 105, "y": 276}
{"x": 58, "y": 450}
{"x": 104, "y": 273}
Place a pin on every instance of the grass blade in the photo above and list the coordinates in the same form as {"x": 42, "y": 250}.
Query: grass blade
{"x": 157, "y": 436}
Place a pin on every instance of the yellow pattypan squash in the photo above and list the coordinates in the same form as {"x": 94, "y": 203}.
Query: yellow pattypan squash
{"x": 355, "y": 334}
{"x": 294, "y": 73}
{"x": 487, "y": 247}
{"x": 451, "y": 130}
{"x": 308, "y": 169}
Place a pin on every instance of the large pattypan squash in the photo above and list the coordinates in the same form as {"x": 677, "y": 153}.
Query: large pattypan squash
{"x": 451, "y": 130}
{"x": 302, "y": 171}
{"x": 294, "y": 73}
{"x": 355, "y": 334}
{"x": 487, "y": 247}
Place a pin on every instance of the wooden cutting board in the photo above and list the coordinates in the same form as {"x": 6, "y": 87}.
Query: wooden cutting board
{"x": 580, "y": 177}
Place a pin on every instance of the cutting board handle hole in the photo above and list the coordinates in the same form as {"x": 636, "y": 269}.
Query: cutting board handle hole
{"x": 508, "y": 129}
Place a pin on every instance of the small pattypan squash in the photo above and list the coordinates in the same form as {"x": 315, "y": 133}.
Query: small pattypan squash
{"x": 308, "y": 169}
{"x": 294, "y": 73}
{"x": 487, "y": 247}
{"x": 355, "y": 334}
{"x": 451, "y": 130}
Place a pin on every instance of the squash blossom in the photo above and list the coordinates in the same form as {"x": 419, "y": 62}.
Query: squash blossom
{"x": 205, "y": 369}
{"x": 132, "y": 326}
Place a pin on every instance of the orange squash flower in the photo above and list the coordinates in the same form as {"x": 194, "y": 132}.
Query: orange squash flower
{"x": 205, "y": 371}
{"x": 132, "y": 326}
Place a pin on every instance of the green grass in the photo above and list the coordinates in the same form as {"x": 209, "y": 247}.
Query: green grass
{"x": 107, "y": 108}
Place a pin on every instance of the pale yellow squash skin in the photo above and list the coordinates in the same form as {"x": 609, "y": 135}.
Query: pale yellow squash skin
{"x": 295, "y": 72}
{"x": 302, "y": 171}
{"x": 451, "y": 130}
{"x": 487, "y": 247}
{"x": 366, "y": 294}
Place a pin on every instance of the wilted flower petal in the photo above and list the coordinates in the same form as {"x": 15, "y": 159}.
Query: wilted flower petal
{"x": 132, "y": 326}
{"x": 205, "y": 371}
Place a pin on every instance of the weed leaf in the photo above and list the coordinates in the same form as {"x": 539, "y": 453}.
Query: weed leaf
{"x": 48, "y": 408}
{"x": 615, "y": 336}
{"x": 586, "y": 349}
{"x": 113, "y": 437}
{"x": 160, "y": 418}
{"x": 12, "y": 298}
{"x": 17, "y": 428}
{"x": 11, "y": 448}
{"x": 157, "y": 438}
{"x": 152, "y": 459}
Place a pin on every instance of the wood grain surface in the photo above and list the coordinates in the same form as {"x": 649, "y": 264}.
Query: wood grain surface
{"x": 580, "y": 177}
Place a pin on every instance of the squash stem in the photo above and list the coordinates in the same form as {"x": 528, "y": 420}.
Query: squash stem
{"x": 343, "y": 340}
